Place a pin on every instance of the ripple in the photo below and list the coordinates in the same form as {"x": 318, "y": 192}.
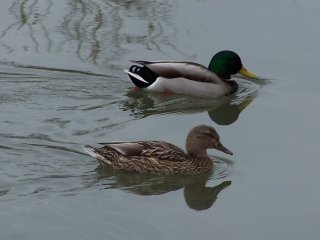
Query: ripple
{"x": 56, "y": 147}
{"x": 33, "y": 136}
{"x": 60, "y": 122}
{"x": 45, "y": 71}
{"x": 4, "y": 187}
{"x": 222, "y": 167}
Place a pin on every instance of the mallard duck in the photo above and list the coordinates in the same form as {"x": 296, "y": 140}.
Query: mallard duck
{"x": 190, "y": 78}
{"x": 158, "y": 157}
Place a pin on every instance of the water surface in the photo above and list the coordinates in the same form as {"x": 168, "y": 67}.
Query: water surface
{"x": 62, "y": 86}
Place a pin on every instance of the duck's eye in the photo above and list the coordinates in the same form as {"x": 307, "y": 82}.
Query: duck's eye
{"x": 213, "y": 136}
{"x": 209, "y": 134}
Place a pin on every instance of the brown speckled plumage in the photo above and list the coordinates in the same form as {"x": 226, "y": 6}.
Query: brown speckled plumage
{"x": 158, "y": 157}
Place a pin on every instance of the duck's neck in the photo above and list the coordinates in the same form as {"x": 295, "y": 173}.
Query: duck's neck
{"x": 199, "y": 158}
{"x": 194, "y": 147}
{"x": 197, "y": 153}
{"x": 219, "y": 69}
{"x": 201, "y": 161}
{"x": 233, "y": 87}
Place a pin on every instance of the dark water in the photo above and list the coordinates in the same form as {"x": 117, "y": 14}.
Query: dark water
{"x": 62, "y": 86}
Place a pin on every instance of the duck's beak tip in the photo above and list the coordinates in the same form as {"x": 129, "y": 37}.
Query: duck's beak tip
{"x": 245, "y": 72}
{"x": 222, "y": 148}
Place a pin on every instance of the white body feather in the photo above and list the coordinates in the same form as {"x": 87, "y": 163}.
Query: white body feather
{"x": 189, "y": 87}
{"x": 184, "y": 78}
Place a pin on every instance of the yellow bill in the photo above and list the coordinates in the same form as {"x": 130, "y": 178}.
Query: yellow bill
{"x": 243, "y": 71}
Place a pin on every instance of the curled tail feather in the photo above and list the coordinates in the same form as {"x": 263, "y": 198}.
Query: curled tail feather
{"x": 142, "y": 77}
{"x": 95, "y": 153}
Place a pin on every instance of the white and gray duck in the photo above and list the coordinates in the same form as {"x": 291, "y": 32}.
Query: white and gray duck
{"x": 190, "y": 78}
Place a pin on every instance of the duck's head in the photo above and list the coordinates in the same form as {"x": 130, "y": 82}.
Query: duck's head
{"x": 202, "y": 137}
{"x": 226, "y": 63}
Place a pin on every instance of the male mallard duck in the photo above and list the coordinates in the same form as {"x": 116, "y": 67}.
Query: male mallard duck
{"x": 158, "y": 157}
{"x": 190, "y": 78}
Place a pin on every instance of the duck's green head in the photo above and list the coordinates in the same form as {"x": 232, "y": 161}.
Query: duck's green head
{"x": 226, "y": 63}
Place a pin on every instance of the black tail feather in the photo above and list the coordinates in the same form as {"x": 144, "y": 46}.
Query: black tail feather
{"x": 144, "y": 72}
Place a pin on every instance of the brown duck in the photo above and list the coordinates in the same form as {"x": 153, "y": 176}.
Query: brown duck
{"x": 158, "y": 157}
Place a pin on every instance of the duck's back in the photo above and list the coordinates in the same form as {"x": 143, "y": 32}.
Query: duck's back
{"x": 147, "y": 149}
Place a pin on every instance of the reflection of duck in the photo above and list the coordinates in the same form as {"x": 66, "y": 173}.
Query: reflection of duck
{"x": 159, "y": 157}
{"x": 196, "y": 194}
{"x": 190, "y": 78}
{"x": 200, "y": 197}
{"x": 228, "y": 113}
{"x": 223, "y": 111}
{"x": 142, "y": 104}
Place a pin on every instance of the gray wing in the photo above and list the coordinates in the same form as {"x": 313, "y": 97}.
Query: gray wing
{"x": 125, "y": 148}
{"x": 152, "y": 149}
{"x": 174, "y": 69}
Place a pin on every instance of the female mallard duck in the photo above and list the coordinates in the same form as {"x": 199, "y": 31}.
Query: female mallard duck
{"x": 157, "y": 157}
{"x": 190, "y": 78}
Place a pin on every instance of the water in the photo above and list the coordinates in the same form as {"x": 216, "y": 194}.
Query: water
{"x": 62, "y": 87}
